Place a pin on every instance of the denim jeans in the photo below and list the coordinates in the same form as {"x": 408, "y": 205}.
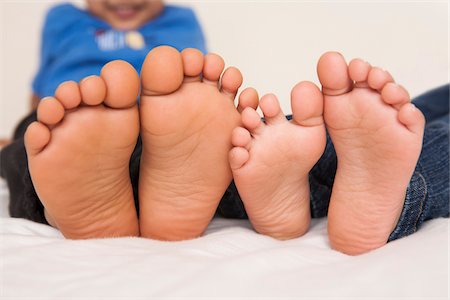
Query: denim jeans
{"x": 427, "y": 196}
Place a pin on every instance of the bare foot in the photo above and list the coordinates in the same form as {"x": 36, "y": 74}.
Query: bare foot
{"x": 79, "y": 152}
{"x": 271, "y": 161}
{"x": 187, "y": 116}
{"x": 377, "y": 134}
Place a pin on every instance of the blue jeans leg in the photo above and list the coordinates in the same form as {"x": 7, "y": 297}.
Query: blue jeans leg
{"x": 427, "y": 196}
{"x": 434, "y": 104}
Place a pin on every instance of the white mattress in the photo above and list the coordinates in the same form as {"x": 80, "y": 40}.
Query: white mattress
{"x": 229, "y": 261}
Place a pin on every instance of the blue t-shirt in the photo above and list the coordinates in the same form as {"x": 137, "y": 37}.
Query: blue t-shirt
{"x": 76, "y": 44}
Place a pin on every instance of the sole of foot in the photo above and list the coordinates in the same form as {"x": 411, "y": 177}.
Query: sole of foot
{"x": 377, "y": 134}
{"x": 187, "y": 116}
{"x": 271, "y": 161}
{"x": 79, "y": 151}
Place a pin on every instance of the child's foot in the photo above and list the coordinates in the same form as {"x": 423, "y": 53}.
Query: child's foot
{"x": 187, "y": 116}
{"x": 271, "y": 161}
{"x": 79, "y": 152}
{"x": 377, "y": 134}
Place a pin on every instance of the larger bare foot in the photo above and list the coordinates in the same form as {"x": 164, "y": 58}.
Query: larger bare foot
{"x": 187, "y": 117}
{"x": 377, "y": 135}
{"x": 79, "y": 152}
{"x": 271, "y": 161}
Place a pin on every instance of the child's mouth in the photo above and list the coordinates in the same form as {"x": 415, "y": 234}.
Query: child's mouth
{"x": 125, "y": 12}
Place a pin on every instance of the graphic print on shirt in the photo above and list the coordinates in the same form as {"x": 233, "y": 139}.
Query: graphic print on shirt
{"x": 110, "y": 40}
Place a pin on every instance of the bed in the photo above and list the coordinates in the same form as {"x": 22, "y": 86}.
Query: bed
{"x": 229, "y": 261}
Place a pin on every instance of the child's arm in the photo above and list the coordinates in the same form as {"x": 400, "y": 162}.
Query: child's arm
{"x": 34, "y": 101}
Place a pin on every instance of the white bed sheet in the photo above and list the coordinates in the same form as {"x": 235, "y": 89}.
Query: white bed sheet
{"x": 229, "y": 261}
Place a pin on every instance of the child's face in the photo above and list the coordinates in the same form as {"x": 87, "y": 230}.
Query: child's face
{"x": 125, "y": 14}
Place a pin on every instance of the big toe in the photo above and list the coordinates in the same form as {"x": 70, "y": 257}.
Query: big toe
{"x": 333, "y": 74}
{"x": 122, "y": 84}
{"x": 162, "y": 71}
{"x": 307, "y": 104}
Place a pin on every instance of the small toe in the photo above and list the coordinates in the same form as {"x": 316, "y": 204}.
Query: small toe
{"x": 68, "y": 93}
{"x": 212, "y": 69}
{"x": 252, "y": 121}
{"x": 37, "y": 136}
{"x": 358, "y": 71}
{"x": 248, "y": 98}
{"x": 162, "y": 71}
{"x": 410, "y": 116}
{"x": 231, "y": 81}
{"x": 307, "y": 104}
{"x": 192, "y": 64}
{"x": 333, "y": 74}
{"x": 50, "y": 111}
{"x": 237, "y": 157}
{"x": 240, "y": 137}
{"x": 395, "y": 95}
{"x": 378, "y": 78}
{"x": 271, "y": 109}
{"x": 93, "y": 90}
{"x": 122, "y": 84}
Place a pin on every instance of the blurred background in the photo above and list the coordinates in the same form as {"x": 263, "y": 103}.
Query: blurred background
{"x": 275, "y": 43}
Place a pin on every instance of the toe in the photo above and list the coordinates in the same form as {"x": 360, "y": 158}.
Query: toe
{"x": 240, "y": 137}
{"x": 162, "y": 72}
{"x": 358, "y": 71}
{"x": 122, "y": 84}
{"x": 271, "y": 109}
{"x": 410, "y": 116}
{"x": 68, "y": 93}
{"x": 93, "y": 90}
{"x": 192, "y": 64}
{"x": 37, "y": 136}
{"x": 333, "y": 74}
{"x": 307, "y": 104}
{"x": 212, "y": 69}
{"x": 395, "y": 95}
{"x": 50, "y": 111}
{"x": 248, "y": 98}
{"x": 231, "y": 81}
{"x": 378, "y": 78}
{"x": 252, "y": 121}
{"x": 237, "y": 157}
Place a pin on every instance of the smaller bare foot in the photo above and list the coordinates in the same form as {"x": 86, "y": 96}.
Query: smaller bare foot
{"x": 377, "y": 134}
{"x": 271, "y": 161}
{"x": 79, "y": 152}
{"x": 187, "y": 116}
